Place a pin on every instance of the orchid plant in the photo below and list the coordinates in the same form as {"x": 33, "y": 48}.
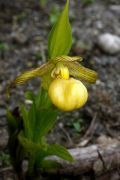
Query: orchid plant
{"x": 61, "y": 88}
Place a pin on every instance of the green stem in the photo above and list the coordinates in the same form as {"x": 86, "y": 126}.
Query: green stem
{"x": 31, "y": 165}
{"x": 32, "y": 173}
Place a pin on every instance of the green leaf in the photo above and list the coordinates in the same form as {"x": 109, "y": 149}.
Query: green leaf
{"x": 40, "y": 155}
{"x": 40, "y": 117}
{"x": 32, "y": 119}
{"x": 77, "y": 126}
{"x": 60, "y": 37}
{"x": 29, "y": 95}
{"x": 42, "y": 99}
{"x": 50, "y": 164}
{"x": 28, "y": 145}
{"x": 42, "y": 3}
{"x": 59, "y": 151}
{"x": 12, "y": 122}
{"x": 26, "y": 123}
{"x": 46, "y": 118}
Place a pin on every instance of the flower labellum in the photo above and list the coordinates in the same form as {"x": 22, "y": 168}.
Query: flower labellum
{"x": 68, "y": 94}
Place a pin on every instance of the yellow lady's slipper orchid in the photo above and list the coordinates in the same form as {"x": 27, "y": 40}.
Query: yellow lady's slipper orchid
{"x": 66, "y": 93}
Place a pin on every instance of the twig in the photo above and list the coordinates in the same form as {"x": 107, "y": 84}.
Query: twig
{"x": 89, "y": 133}
{"x": 66, "y": 133}
{"x": 6, "y": 169}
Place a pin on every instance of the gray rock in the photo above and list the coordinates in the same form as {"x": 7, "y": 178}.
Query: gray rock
{"x": 2, "y": 112}
{"x": 109, "y": 43}
{"x": 3, "y": 138}
{"x": 115, "y": 8}
{"x": 19, "y": 37}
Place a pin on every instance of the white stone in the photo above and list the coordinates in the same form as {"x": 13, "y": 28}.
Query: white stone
{"x": 109, "y": 43}
{"x": 115, "y": 8}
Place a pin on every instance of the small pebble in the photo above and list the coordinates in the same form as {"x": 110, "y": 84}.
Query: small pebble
{"x": 115, "y": 8}
{"x": 19, "y": 37}
{"x": 109, "y": 43}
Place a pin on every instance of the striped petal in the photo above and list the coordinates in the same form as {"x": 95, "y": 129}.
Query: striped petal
{"x": 67, "y": 59}
{"x": 81, "y": 72}
{"x": 38, "y": 72}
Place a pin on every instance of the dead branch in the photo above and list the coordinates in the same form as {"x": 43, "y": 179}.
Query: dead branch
{"x": 99, "y": 159}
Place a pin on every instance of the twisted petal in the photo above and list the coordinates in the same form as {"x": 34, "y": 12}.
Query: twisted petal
{"x": 38, "y": 72}
{"x": 81, "y": 72}
{"x": 67, "y": 59}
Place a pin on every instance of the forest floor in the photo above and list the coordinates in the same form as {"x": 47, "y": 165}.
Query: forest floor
{"x": 24, "y": 28}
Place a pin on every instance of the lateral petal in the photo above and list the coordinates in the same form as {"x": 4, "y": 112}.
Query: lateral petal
{"x": 81, "y": 72}
{"x": 38, "y": 72}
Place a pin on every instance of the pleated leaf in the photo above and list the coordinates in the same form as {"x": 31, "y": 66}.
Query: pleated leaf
{"x": 28, "y": 145}
{"x": 60, "y": 37}
{"x": 59, "y": 151}
{"x": 42, "y": 99}
{"x": 26, "y": 123}
{"x": 46, "y": 118}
